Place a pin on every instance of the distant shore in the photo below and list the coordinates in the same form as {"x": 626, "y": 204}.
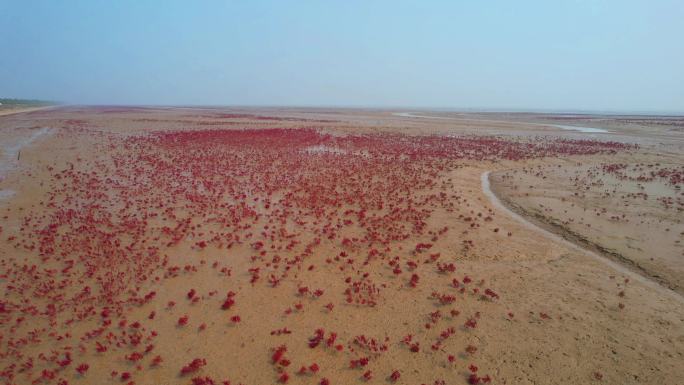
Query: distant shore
{"x": 10, "y": 110}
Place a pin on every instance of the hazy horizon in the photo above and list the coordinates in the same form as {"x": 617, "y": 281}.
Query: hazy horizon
{"x": 579, "y": 56}
{"x": 381, "y": 108}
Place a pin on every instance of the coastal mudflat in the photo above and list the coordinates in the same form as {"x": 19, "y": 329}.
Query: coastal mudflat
{"x": 314, "y": 246}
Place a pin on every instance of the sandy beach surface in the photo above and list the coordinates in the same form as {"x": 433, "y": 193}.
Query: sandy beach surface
{"x": 310, "y": 246}
{"x": 11, "y": 110}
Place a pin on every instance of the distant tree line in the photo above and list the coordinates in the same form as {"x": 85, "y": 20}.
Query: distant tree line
{"x": 24, "y": 102}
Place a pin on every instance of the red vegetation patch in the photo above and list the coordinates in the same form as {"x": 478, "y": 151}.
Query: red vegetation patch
{"x": 108, "y": 230}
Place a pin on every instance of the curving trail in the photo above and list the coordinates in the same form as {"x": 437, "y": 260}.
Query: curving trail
{"x": 606, "y": 261}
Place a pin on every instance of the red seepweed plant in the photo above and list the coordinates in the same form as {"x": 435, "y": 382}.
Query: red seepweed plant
{"x": 278, "y": 196}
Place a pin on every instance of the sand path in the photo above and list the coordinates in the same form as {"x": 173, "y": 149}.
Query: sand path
{"x": 612, "y": 264}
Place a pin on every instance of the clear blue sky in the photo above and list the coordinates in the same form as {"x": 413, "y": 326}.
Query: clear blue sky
{"x": 495, "y": 54}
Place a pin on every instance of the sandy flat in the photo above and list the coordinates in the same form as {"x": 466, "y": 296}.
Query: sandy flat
{"x": 124, "y": 221}
{"x": 18, "y": 110}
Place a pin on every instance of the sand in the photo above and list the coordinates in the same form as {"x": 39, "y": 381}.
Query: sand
{"x": 11, "y": 110}
{"x": 638, "y": 223}
{"x": 563, "y": 315}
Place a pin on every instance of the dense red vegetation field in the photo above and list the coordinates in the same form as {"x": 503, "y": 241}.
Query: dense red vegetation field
{"x": 184, "y": 236}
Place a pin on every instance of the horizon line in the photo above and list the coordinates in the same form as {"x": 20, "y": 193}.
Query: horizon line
{"x": 550, "y": 111}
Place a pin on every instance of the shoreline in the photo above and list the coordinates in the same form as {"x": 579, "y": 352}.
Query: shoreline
{"x": 13, "y": 111}
{"x": 584, "y": 130}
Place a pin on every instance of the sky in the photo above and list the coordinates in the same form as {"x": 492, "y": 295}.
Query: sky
{"x": 561, "y": 55}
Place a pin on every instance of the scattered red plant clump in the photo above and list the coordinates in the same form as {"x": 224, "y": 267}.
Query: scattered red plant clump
{"x": 444, "y": 299}
{"x": 490, "y": 293}
{"x": 330, "y": 341}
{"x": 318, "y": 336}
{"x": 414, "y": 346}
{"x": 367, "y": 375}
{"x": 358, "y": 363}
{"x": 369, "y": 344}
{"x": 422, "y": 247}
{"x": 281, "y": 331}
{"x": 193, "y": 366}
{"x": 182, "y": 321}
{"x": 471, "y": 323}
{"x": 135, "y": 356}
{"x": 414, "y": 280}
{"x": 446, "y": 268}
{"x": 207, "y": 381}
{"x": 474, "y": 379}
{"x": 363, "y": 292}
{"x": 435, "y": 316}
{"x": 278, "y": 353}
{"x": 228, "y": 303}
{"x": 395, "y": 376}
{"x": 156, "y": 361}
{"x": 82, "y": 368}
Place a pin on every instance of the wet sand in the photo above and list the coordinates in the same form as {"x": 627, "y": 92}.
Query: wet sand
{"x": 637, "y": 222}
